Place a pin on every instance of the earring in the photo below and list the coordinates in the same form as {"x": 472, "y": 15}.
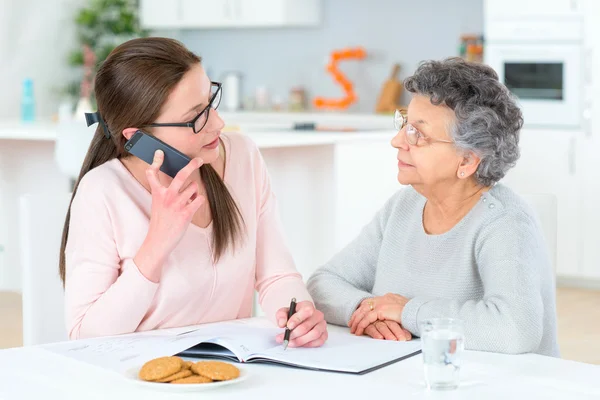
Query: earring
{"x": 462, "y": 174}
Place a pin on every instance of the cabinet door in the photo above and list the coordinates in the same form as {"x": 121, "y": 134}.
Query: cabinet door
{"x": 277, "y": 13}
{"x": 591, "y": 147}
{"x": 590, "y": 208}
{"x": 532, "y": 8}
{"x": 548, "y": 165}
{"x": 157, "y": 14}
{"x": 260, "y": 12}
{"x": 208, "y": 13}
{"x": 199, "y": 14}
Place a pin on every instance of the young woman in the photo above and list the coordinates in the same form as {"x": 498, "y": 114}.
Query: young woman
{"x": 144, "y": 251}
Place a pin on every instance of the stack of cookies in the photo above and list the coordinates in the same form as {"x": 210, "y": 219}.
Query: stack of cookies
{"x": 175, "y": 370}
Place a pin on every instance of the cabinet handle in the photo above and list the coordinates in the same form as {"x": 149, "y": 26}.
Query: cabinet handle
{"x": 238, "y": 7}
{"x": 572, "y": 155}
{"x": 574, "y": 5}
{"x": 232, "y": 10}
{"x": 586, "y": 120}
{"x": 588, "y": 61}
{"x": 179, "y": 10}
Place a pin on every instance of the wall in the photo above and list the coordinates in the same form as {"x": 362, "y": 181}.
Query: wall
{"x": 391, "y": 31}
{"x": 36, "y": 36}
{"x": 35, "y": 39}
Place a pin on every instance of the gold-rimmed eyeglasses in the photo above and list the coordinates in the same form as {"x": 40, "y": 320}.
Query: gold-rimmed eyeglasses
{"x": 412, "y": 134}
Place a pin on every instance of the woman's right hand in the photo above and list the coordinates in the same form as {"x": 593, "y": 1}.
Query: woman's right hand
{"x": 172, "y": 210}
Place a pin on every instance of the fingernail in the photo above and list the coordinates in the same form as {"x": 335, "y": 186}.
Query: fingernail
{"x": 291, "y": 324}
{"x": 281, "y": 322}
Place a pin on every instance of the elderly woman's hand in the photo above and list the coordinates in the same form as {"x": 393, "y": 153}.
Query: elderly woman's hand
{"x": 388, "y": 330}
{"x": 308, "y": 325}
{"x": 382, "y": 308}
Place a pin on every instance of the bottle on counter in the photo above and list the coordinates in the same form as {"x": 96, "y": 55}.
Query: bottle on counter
{"x": 261, "y": 99}
{"x": 27, "y": 101}
{"x": 232, "y": 91}
{"x": 298, "y": 98}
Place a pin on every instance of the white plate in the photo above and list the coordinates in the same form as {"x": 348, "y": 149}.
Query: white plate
{"x": 132, "y": 375}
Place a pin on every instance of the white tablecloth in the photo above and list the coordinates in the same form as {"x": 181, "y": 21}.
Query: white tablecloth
{"x": 34, "y": 373}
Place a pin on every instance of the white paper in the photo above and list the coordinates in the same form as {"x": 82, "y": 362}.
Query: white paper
{"x": 346, "y": 352}
{"x": 248, "y": 339}
{"x": 119, "y": 353}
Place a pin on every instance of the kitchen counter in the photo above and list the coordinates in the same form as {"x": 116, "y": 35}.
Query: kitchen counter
{"x": 321, "y": 178}
{"x": 269, "y": 137}
{"x": 42, "y": 131}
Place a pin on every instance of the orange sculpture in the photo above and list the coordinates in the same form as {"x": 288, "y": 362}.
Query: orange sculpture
{"x": 350, "y": 97}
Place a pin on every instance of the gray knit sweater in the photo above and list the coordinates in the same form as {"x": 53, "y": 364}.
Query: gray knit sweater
{"x": 492, "y": 270}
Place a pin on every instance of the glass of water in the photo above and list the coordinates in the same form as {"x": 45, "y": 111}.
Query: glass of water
{"x": 442, "y": 341}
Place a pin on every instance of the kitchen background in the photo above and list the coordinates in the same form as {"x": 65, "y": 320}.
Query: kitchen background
{"x": 271, "y": 54}
{"x": 277, "y": 59}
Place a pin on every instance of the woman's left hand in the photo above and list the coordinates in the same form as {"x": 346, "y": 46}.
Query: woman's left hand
{"x": 308, "y": 325}
{"x": 383, "y": 308}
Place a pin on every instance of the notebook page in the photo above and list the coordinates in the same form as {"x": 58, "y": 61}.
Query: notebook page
{"x": 344, "y": 352}
{"x": 243, "y": 337}
{"x": 122, "y": 352}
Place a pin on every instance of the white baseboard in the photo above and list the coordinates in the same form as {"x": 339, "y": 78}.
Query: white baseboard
{"x": 578, "y": 282}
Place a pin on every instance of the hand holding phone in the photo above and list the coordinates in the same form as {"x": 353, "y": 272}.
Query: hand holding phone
{"x": 144, "y": 147}
{"x": 172, "y": 210}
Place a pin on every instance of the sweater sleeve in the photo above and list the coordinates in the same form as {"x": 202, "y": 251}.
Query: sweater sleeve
{"x": 510, "y": 257}
{"x": 277, "y": 279}
{"x": 104, "y": 295}
{"x": 339, "y": 286}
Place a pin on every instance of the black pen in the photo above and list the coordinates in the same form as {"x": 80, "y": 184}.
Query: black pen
{"x": 286, "y": 337}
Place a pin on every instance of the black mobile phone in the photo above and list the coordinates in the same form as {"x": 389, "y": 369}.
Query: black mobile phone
{"x": 144, "y": 146}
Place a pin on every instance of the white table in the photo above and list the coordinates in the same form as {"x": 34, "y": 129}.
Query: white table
{"x": 34, "y": 373}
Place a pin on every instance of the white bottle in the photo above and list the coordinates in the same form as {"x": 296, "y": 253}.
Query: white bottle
{"x": 232, "y": 91}
{"x": 261, "y": 98}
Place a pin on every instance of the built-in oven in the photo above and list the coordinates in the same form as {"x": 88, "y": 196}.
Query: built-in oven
{"x": 541, "y": 63}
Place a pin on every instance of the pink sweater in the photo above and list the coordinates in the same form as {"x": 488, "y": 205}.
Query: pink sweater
{"x": 106, "y": 294}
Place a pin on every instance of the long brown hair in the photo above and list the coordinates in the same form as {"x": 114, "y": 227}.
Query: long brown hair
{"x": 130, "y": 87}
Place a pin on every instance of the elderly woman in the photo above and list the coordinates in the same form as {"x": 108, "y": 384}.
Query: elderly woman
{"x": 454, "y": 243}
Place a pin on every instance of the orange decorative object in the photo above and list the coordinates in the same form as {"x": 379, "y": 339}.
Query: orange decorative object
{"x": 341, "y": 79}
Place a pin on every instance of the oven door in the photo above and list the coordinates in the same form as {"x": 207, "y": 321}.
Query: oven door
{"x": 546, "y": 78}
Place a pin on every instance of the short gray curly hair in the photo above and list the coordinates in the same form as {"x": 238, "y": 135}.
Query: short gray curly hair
{"x": 488, "y": 119}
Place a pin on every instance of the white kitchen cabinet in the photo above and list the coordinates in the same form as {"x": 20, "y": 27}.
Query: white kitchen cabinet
{"x": 206, "y": 14}
{"x": 533, "y": 8}
{"x": 159, "y": 14}
{"x": 590, "y": 151}
{"x": 549, "y": 164}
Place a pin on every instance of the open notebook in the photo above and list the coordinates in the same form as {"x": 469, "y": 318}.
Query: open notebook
{"x": 246, "y": 341}
{"x": 253, "y": 341}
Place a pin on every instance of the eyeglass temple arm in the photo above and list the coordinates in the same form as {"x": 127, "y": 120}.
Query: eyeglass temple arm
{"x": 181, "y": 124}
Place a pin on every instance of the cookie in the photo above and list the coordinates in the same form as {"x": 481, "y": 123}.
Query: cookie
{"x": 193, "y": 379}
{"x": 160, "y": 368}
{"x": 184, "y": 373}
{"x": 216, "y": 370}
{"x": 188, "y": 364}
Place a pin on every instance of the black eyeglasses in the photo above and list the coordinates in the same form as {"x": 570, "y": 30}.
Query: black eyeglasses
{"x": 198, "y": 123}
